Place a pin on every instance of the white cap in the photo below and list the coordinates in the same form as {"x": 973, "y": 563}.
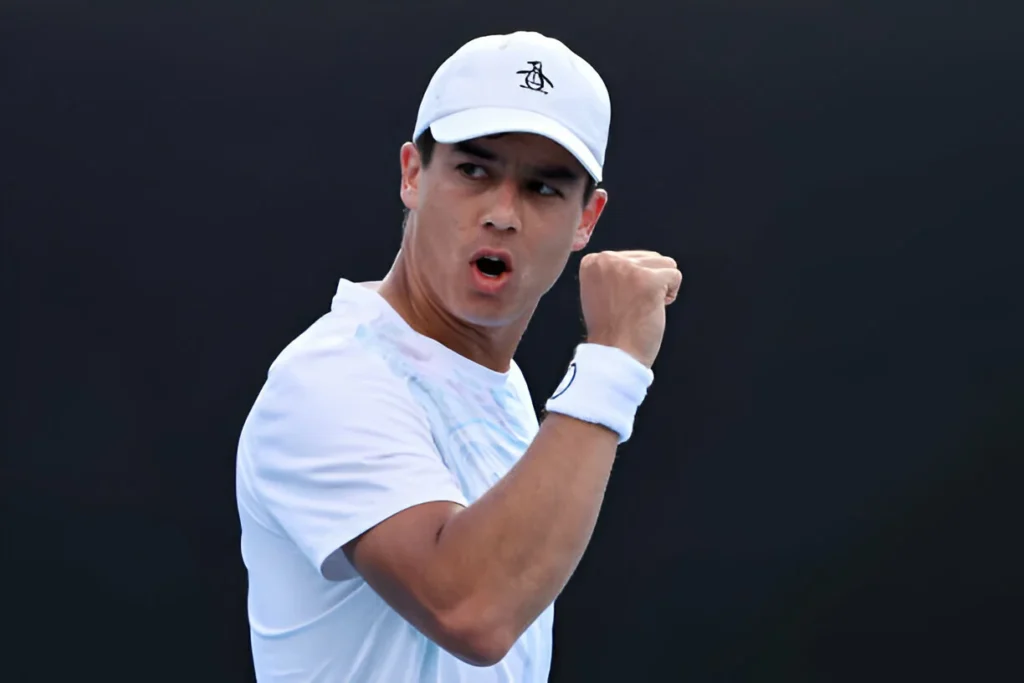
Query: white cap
{"x": 523, "y": 82}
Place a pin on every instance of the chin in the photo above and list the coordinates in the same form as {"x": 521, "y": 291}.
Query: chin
{"x": 488, "y": 311}
{"x": 474, "y": 305}
{"x": 485, "y": 316}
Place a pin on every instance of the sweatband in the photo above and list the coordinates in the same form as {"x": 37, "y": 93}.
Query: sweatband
{"x": 604, "y": 385}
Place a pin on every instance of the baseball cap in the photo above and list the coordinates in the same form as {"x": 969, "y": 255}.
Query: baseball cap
{"x": 522, "y": 82}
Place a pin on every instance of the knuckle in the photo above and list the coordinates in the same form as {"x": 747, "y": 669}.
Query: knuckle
{"x": 642, "y": 278}
{"x": 590, "y": 262}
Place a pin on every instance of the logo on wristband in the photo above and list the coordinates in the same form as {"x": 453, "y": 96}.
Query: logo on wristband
{"x": 567, "y": 381}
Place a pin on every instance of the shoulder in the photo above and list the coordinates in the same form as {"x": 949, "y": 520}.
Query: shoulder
{"x": 330, "y": 384}
{"x": 336, "y": 442}
{"x": 332, "y": 347}
{"x": 338, "y": 351}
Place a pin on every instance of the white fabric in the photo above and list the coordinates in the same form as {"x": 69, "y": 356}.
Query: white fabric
{"x": 361, "y": 417}
{"x": 604, "y": 385}
{"x": 520, "y": 82}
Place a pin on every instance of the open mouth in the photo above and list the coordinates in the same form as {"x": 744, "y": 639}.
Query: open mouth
{"x": 491, "y": 266}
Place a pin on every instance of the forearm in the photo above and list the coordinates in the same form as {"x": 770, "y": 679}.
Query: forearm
{"x": 509, "y": 554}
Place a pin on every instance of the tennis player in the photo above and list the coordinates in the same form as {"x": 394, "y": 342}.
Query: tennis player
{"x": 404, "y": 516}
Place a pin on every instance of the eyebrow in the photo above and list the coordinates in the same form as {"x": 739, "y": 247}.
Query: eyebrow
{"x": 474, "y": 150}
{"x": 556, "y": 172}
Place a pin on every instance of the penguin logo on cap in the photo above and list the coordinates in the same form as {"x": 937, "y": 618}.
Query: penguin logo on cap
{"x": 535, "y": 78}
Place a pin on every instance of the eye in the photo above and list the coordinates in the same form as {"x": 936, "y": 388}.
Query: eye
{"x": 472, "y": 170}
{"x": 544, "y": 189}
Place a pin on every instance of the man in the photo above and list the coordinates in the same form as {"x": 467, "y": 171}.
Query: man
{"x": 404, "y": 517}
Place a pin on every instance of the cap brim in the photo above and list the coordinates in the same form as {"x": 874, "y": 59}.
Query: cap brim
{"x": 477, "y": 123}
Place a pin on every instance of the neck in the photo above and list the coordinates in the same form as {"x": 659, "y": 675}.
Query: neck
{"x": 408, "y": 294}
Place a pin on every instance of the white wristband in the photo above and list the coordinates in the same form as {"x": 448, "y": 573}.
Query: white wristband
{"x": 604, "y": 385}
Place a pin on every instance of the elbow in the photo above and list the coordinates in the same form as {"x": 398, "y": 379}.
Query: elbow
{"x": 477, "y": 639}
{"x": 480, "y": 649}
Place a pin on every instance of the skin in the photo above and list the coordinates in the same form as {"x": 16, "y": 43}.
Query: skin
{"x": 523, "y": 193}
{"x": 474, "y": 578}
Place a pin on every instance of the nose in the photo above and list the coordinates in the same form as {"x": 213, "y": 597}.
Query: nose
{"x": 503, "y": 211}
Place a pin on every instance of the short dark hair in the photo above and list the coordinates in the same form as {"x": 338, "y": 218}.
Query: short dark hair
{"x": 425, "y": 144}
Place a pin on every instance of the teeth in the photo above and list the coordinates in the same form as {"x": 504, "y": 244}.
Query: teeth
{"x": 498, "y": 266}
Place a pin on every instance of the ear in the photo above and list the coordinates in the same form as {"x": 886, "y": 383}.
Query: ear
{"x": 411, "y": 171}
{"x": 591, "y": 213}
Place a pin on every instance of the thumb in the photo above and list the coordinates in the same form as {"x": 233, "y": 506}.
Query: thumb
{"x": 670, "y": 280}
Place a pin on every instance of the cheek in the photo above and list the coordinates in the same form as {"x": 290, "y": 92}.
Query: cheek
{"x": 564, "y": 227}
{"x": 442, "y": 231}
{"x": 554, "y": 251}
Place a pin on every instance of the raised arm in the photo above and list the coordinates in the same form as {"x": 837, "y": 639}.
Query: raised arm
{"x": 474, "y": 578}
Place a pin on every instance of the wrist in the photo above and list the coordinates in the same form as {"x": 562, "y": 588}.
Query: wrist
{"x": 604, "y": 385}
{"x": 617, "y": 342}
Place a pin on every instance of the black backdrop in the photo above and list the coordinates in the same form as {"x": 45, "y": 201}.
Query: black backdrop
{"x": 821, "y": 482}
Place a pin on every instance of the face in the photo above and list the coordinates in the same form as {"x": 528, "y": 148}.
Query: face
{"x": 495, "y": 222}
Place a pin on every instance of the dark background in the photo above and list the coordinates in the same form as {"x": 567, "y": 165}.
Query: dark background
{"x": 822, "y": 482}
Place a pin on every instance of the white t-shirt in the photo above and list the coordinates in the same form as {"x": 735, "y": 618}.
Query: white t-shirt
{"x": 360, "y": 418}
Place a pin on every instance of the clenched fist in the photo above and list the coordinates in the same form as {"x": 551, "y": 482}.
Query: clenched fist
{"x": 624, "y": 295}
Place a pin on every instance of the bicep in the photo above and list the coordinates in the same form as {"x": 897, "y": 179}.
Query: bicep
{"x": 397, "y": 558}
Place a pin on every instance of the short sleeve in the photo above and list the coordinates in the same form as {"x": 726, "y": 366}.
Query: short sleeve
{"x": 337, "y": 444}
